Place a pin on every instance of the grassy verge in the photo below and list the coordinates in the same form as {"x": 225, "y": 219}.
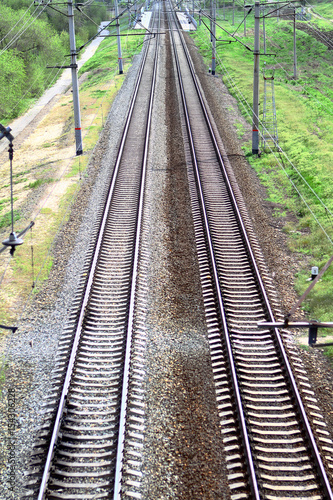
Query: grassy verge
{"x": 48, "y": 175}
{"x": 305, "y": 127}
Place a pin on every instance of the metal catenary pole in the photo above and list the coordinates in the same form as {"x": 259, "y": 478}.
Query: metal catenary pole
{"x": 213, "y": 28}
{"x": 129, "y": 14}
{"x": 264, "y": 27}
{"x": 75, "y": 83}
{"x": 244, "y": 19}
{"x": 120, "y": 59}
{"x": 295, "y": 55}
{"x": 255, "y": 119}
{"x": 11, "y": 183}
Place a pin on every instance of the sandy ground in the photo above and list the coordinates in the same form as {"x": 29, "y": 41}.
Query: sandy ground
{"x": 62, "y": 84}
{"x": 45, "y": 172}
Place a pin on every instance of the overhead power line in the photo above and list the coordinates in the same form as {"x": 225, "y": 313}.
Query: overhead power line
{"x": 249, "y": 111}
{"x": 320, "y": 35}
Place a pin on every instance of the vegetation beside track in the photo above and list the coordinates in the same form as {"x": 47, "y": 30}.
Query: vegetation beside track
{"x": 305, "y": 127}
{"x": 48, "y": 177}
{"x": 33, "y": 39}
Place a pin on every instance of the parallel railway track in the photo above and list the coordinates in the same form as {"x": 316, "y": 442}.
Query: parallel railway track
{"x": 262, "y": 414}
{"x": 82, "y": 456}
{"x": 94, "y": 412}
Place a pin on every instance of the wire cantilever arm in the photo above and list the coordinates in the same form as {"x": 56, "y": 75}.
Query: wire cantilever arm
{"x": 226, "y": 31}
{"x": 249, "y": 11}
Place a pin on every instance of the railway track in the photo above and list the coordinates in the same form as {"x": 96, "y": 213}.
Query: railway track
{"x": 271, "y": 450}
{"x": 81, "y": 453}
{"x": 90, "y": 445}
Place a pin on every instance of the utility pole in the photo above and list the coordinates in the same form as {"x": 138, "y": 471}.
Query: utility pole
{"x": 264, "y": 27}
{"x": 295, "y": 56}
{"x": 224, "y": 10}
{"x": 13, "y": 241}
{"x": 233, "y": 12}
{"x": 129, "y": 14}
{"x": 135, "y": 13}
{"x": 120, "y": 60}
{"x": 213, "y": 30}
{"x": 244, "y": 19}
{"x": 255, "y": 119}
{"x": 75, "y": 83}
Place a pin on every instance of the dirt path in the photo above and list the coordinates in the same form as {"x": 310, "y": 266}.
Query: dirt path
{"x": 31, "y": 118}
{"x": 46, "y": 175}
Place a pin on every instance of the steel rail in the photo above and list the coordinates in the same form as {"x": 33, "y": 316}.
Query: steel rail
{"x": 313, "y": 446}
{"x": 124, "y": 396}
{"x": 250, "y": 463}
{"x": 71, "y": 362}
{"x": 315, "y": 452}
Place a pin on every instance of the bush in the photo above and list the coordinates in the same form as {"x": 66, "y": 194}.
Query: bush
{"x": 35, "y": 43}
{"x": 12, "y": 76}
{"x": 23, "y": 63}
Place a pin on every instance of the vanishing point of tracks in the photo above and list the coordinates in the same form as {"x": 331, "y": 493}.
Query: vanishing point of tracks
{"x": 95, "y": 409}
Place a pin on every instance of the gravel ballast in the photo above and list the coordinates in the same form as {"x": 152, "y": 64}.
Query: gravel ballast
{"x": 282, "y": 264}
{"x": 183, "y": 455}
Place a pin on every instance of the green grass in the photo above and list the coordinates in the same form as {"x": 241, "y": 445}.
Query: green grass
{"x": 6, "y": 219}
{"x": 46, "y": 211}
{"x": 305, "y": 127}
{"x": 329, "y": 351}
{"x": 324, "y": 9}
{"x": 78, "y": 166}
{"x": 3, "y": 202}
{"x": 3, "y": 366}
{"x": 18, "y": 181}
{"x": 105, "y": 60}
{"x": 98, "y": 93}
{"x": 38, "y": 182}
{"x": 240, "y": 129}
{"x": 21, "y": 173}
